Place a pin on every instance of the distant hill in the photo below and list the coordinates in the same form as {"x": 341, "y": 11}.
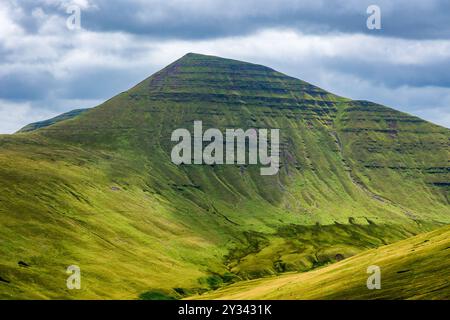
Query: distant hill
{"x": 99, "y": 190}
{"x": 42, "y": 124}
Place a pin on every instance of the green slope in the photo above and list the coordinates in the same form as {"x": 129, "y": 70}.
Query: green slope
{"x": 415, "y": 268}
{"x": 99, "y": 190}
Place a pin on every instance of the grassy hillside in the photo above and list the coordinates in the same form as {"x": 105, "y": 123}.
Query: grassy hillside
{"x": 415, "y": 268}
{"x": 99, "y": 190}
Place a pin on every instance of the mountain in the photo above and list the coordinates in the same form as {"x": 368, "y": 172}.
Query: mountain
{"x": 406, "y": 264}
{"x": 41, "y": 124}
{"x": 100, "y": 191}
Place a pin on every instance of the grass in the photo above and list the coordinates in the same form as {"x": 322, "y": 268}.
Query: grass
{"x": 415, "y": 268}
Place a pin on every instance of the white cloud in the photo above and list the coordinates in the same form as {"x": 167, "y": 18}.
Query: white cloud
{"x": 8, "y": 26}
{"x": 14, "y": 116}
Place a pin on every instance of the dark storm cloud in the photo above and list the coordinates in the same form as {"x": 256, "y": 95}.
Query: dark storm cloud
{"x": 393, "y": 75}
{"x": 98, "y": 83}
{"x": 414, "y": 19}
{"x": 181, "y": 19}
{"x": 25, "y": 85}
{"x": 90, "y": 84}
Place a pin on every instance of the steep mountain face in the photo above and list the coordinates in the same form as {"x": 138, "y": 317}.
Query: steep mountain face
{"x": 100, "y": 191}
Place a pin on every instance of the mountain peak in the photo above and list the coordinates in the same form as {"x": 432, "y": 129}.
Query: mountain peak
{"x": 194, "y": 54}
{"x": 192, "y": 58}
{"x": 194, "y": 74}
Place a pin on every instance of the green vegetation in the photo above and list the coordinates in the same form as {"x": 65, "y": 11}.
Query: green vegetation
{"x": 98, "y": 190}
{"x": 42, "y": 124}
{"x": 415, "y": 268}
{"x": 156, "y": 295}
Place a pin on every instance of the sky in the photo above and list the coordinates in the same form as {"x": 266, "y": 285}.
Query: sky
{"x": 48, "y": 67}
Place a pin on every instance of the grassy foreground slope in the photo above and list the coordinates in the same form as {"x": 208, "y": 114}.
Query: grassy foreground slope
{"x": 415, "y": 268}
{"x": 99, "y": 190}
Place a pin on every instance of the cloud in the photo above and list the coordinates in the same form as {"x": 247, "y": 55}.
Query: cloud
{"x": 200, "y": 19}
{"x": 14, "y": 116}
